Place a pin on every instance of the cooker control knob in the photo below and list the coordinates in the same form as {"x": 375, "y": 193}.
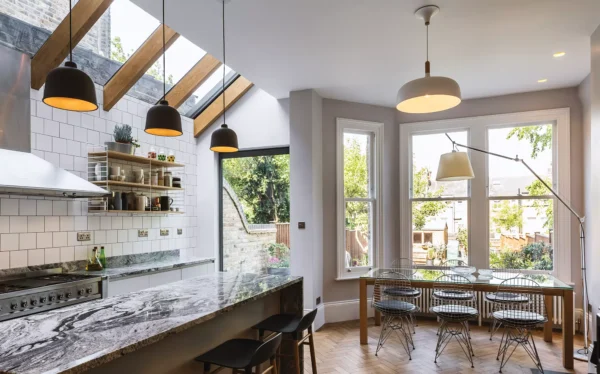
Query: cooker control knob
{"x": 43, "y": 299}
{"x": 33, "y": 302}
{"x": 24, "y": 304}
{"x": 13, "y": 306}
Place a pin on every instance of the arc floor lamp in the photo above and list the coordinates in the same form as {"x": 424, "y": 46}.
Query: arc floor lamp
{"x": 456, "y": 166}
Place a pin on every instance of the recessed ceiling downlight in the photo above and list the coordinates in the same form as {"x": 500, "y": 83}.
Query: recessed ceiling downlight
{"x": 542, "y": 80}
{"x": 559, "y": 54}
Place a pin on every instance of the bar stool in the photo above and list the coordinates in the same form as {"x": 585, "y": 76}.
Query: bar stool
{"x": 242, "y": 355}
{"x": 295, "y": 326}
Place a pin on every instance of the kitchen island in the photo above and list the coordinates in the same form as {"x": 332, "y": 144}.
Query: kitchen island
{"x": 157, "y": 330}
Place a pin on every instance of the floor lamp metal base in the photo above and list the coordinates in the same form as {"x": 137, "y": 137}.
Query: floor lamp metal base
{"x": 581, "y": 354}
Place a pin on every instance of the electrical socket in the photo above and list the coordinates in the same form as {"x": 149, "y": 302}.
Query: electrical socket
{"x": 142, "y": 233}
{"x": 164, "y": 232}
{"x": 84, "y": 236}
{"x": 179, "y": 231}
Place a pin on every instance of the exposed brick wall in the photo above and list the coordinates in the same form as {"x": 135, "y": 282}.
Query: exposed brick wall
{"x": 47, "y": 14}
{"x": 243, "y": 249}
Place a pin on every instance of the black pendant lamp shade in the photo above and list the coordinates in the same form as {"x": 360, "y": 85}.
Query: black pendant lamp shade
{"x": 224, "y": 140}
{"x": 69, "y": 88}
{"x": 163, "y": 120}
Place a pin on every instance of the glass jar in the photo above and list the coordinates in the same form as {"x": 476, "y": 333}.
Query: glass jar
{"x": 168, "y": 179}
{"x": 152, "y": 153}
{"x": 171, "y": 156}
{"x": 154, "y": 178}
{"x": 161, "y": 155}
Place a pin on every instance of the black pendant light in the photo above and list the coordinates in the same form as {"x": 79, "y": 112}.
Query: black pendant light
{"x": 69, "y": 88}
{"x": 224, "y": 139}
{"x": 162, "y": 119}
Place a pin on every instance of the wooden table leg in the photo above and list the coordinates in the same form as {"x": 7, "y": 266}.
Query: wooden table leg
{"x": 377, "y": 318}
{"x": 363, "y": 311}
{"x": 567, "y": 329}
{"x": 548, "y": 299}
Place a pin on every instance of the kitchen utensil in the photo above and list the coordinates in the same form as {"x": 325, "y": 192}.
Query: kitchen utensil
{"x": 141, "y": 202}
{"x": 117, "y": 200}
{"x": 98, "y": 171}
{"x": 155, "y": 178}
{"x": 115, "y": 177}
{"x": 139, "y": 176}
{"x": 131, "y": 200}
{"x": 168, "y": 179}
{"x": 115, "y": 170}
{"x": 165, "y": 202}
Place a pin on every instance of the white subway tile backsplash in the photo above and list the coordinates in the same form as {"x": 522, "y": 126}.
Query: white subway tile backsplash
{"x": 9, "y": 242}
{"x": 138, "y": 223}
{"x": 35, "y": 224}
{"x": 44, "y": 207}
{"x": 18, "y": 259}
{"x": 80, "y": 134}
{"x": 66, "y": 131}
{"x": 27, "y": 241}
{"x": 43, "y": 142}
{"x": 4, "y": 260}
{"x": 52, "y": 223}
{"x": 67, "y": 254}
{"x": 93, "y": 223}
{"x": 81, "y": 252}
{"x": 59, "y": 208}
{"x": 74, "y": 208}
{"x": 105, "y": 223}
{"x": 73, "y": 148}
{"x": 87, "y": 121}
{"x": 81, "y": 223}
{"x": 37, "y": 126}
{"x": 59, "y": 145}
{"x": 27, "y": 207}
{"x": 51, "y": 255}
{"x": 74, "y": 118}
{"x": 112, "y": 236}
{"x": 138, "y": 247}
{"x": 99, "y": 124}
{"x": 122, "y": 236}
{"x": 51, "y": 128}
{"x": 147, "y": 222}
{"x": 59, "y": 115}
{"x": 4, "y": 225}
{"x": 53, "y": 158}
{"x": 42, "y": 110}
{"x": 128, "y": 248}
{"x": 9, "y": 207}
{"x": 35, "y": 257}
{"x": 127, "y": 222}
{"x": 67, "y": 223}
{"x": 99, "y": 237}
{"x": 93, "y": 137}
{"x": 18, "y": 224}
{"x": 44, "y": 240}
{"x": 117, "y": 249}
{"x": 66, "y": 162}
{"x": 59, "y": 239}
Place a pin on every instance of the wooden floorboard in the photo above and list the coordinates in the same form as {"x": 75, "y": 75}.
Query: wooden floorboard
{"x": 338, "y": 351}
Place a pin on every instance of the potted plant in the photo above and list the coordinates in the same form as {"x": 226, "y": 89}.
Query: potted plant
{"x": 124, "y": 142}
{"x": 278, "y": 262}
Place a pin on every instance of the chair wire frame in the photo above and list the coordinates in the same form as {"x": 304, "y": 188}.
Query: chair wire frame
{"x": 454, "y": 302}
{"x": 408, "y": 268}
{"x": 395, "y": 308}
{"x": 519, "y": 318}
{"x": 495, "y": 298}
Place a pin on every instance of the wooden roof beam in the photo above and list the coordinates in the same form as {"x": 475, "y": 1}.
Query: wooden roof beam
{"x": 56, "y": 48}
{"x": 137, "y": 65}
{"x": 190, "y": 82}
{"x": 232, "y": 94}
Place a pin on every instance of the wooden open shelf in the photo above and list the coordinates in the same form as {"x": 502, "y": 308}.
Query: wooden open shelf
{"x": 139, "y": 159}
{"x": 137, "y": 185}
{"x": 134, "y": 211}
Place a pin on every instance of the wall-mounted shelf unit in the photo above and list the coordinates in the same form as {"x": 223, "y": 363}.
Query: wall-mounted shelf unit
{"x": 102, "y": 162}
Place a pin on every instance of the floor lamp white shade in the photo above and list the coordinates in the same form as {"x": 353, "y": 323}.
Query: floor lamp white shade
{"x": 454, "y": 166}
{"x": 428, "y": 94}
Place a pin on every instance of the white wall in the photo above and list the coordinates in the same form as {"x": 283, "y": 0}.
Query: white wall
{"x": 260, "y": 121}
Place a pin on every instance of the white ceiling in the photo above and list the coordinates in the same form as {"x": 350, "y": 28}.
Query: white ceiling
{"x": 364, "y": 50}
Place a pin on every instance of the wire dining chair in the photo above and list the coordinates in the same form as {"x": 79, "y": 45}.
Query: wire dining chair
{"x": 454, "y": 303}
{"x": 394, "y": 308}
{"x": 520, "y": 318}
{"x": 505, "y": 297}
{"x": 408, "y": 268}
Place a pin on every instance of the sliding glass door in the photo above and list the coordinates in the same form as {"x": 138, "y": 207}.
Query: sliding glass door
{"x": 255, "y": 211}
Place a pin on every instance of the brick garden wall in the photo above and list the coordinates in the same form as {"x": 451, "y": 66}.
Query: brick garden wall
{"x": 243, "y": 249}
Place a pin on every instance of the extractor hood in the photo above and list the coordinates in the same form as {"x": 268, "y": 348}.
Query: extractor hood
{"x": 21, "y": 172}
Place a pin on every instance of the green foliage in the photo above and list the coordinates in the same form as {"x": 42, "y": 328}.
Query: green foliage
{"x": 422, "y": 210}
{"x": 279, "y": 255}
{"x": 262, "y": 184}
{"x": 543, "y": 207}
{"x": 508, "y": 215}
{"x": 118, "y": 54}
{"x": 540, "y": 137}
{"x": 535, "y": 256}
{"x": 122, "y": 134}
{"x": 463, "y": 240}
{"x": 356, "y": 184}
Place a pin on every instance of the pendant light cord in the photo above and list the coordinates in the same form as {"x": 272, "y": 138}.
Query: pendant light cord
{"x": 224, "y": 122}
{"x": 164, "y": 57}
{"x": 70, "y": 30}
{"x": 427, "y": 65}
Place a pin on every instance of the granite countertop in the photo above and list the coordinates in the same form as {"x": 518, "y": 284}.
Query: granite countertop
{"x": 127, "y": 270}
{"x": 83, "y": 336}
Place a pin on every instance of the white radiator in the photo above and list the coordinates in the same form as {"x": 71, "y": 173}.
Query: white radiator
{"x": 484, "y": 307}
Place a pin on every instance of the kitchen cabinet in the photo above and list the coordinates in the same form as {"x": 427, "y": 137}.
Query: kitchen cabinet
{"x": 120, "y": 286}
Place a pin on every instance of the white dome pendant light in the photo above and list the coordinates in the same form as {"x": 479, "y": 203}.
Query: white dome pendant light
{"x": 428, "y": 94}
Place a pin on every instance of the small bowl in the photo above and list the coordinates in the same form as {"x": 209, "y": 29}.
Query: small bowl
{"x": 122, "y": 178}
{"x": 485, "y": 272}
{"x": 114, "y": 177}
{"x": 464, "y": 270}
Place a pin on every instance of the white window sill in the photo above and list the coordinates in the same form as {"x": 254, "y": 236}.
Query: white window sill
{"x": 349, "y": 277}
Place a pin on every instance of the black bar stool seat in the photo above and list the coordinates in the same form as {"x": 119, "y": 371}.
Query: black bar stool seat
{"x": 283, "y": 323}
{"x": 242, "y": 354}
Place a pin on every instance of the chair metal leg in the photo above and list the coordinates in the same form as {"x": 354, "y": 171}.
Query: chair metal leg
{"x": 459, "y": 330}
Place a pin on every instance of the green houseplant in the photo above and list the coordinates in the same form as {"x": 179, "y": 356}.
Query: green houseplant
{"x": 124, "y": 141}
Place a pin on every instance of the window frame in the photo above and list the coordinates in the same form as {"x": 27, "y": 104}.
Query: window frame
{"x": 478, "y": 187}
{"x": 344, "y": 125}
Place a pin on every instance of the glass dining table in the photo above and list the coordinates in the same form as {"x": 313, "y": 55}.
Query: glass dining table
{"x": 425, "y": 278}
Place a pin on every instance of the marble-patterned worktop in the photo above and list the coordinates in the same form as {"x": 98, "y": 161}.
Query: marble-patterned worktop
{"x": 162, "y": 264}
{"x": 83, "y": 336}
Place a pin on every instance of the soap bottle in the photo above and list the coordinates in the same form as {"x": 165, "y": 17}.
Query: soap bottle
{"x": 102, "y": 257}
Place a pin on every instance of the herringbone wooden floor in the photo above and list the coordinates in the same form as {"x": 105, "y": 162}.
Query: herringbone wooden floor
{"x": 338, "y": 351}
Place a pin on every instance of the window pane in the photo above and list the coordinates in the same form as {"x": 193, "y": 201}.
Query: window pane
{"x": 440, "y": 231}
{"x": 534, "y": 145}
{"x": 210, "y": 88}
{"x": 427, "y": 150}
{"x": 521, "y": 234}
{"x": 357, "y": 151}
{"x": 180, "y": 58}
{"x": 33, "y": 21}
{"x": 359, "y": 241}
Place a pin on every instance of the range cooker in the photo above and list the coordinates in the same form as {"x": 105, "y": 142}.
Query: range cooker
{"x": 40, "y": 291}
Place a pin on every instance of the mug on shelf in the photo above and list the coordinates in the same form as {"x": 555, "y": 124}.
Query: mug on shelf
{"x": 165, "y": 203}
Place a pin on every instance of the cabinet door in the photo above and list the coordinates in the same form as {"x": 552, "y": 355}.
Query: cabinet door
{"x": 165, "y": 277}
{"x": 123, "y": 286}
{"x": 192, "y": 271}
